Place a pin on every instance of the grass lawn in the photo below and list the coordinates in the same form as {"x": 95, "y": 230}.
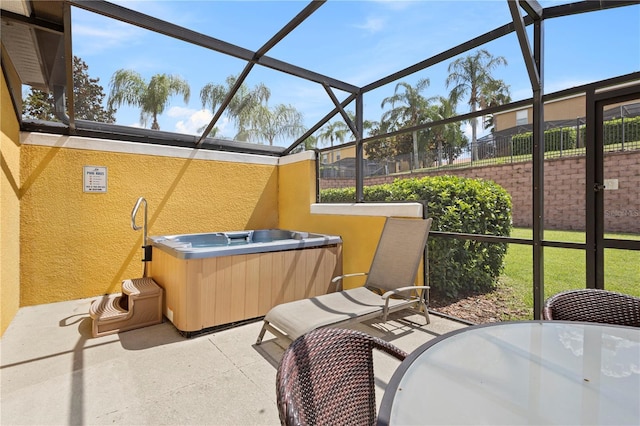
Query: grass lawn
{"x": 564, "y": 269}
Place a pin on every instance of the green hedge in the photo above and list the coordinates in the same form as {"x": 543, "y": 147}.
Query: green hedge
{"x": 554, "y": 140}
{"x": 613, "y": 131}
{"x": 456, "y": 204}
{"x": 565, "y": 137}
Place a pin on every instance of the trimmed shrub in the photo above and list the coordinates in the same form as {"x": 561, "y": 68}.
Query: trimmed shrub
{"x": 614, "y": 131}
{"x": 631, "y": 130}
{"x": 554, "y": 140}
{"x": 338, "y": 195}
{"x": 456, "y": 204}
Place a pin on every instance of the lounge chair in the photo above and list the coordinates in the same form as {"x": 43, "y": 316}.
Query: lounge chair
{"x": 389, "y": 287}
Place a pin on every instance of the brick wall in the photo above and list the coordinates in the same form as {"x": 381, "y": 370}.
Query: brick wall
{"x": 564, "y": 188}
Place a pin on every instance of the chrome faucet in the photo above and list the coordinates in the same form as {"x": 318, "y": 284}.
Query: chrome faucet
{"x": 145, "y": 246}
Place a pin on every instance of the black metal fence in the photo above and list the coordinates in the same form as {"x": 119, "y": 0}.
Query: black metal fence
{"x": 564, "y": 138}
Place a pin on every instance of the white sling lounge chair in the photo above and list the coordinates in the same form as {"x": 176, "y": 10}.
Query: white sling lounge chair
{"x": 389, "y": 287}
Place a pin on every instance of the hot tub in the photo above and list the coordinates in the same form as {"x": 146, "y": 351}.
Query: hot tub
{"x": 219, "y": 278}
{"x": 198, "y": 246}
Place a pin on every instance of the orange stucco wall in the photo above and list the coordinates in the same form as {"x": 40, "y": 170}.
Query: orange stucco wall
{"x": 76, "y": 244}
{"x": 9, "y": 211}
{"x": 360, "y": 234}
{"x": 563, "y": 109}
{"x": 73, "y": 244}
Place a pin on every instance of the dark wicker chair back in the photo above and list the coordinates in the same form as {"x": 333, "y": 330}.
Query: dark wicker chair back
{"x": 593, "y": 305}
{"x": 326, "y": 377}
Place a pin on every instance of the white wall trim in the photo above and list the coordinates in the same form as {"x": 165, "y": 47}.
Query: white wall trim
{"x": 296, "y": 158}
{"x": 106, "y": 145}
{"x": 369, "y": 209}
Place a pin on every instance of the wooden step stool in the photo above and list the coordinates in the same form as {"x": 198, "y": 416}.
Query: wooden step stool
{"x": 139, "y": 305}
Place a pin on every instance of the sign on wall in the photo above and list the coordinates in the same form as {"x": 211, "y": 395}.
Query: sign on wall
{"x": 95, "y": 179}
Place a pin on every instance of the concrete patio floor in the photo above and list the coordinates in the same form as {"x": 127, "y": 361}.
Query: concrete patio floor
{"x": 54, "y": 373}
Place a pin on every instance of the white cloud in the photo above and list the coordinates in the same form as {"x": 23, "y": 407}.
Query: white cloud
{"x": 372, "y": 25}
{"x": 94, "y": 37}
{"x": 192, "y": 122}
{"x": 177, "y": 112}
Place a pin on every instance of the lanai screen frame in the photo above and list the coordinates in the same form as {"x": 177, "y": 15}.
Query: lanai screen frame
{"x": 532, "y": 55}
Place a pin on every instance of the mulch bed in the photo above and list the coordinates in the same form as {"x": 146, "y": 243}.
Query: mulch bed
{"x": 498, "y": 305}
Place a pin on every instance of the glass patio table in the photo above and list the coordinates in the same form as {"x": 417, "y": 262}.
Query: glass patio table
{"x": 529, "y": 372}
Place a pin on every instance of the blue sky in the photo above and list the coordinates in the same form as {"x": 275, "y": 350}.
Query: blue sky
{"x": 354, "y": 41}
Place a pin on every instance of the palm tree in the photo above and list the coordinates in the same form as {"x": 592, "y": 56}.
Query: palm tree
{"x": 338, "y": 130}
{"x": 446, "y": 136}
{"x": 408, "y": 108}
{"x": 243, "y": 105}
{"x": 271, "y": 124}
{"x": 129, "y": 87}
{"x": 470, "y": 76}
{"x": 495, "y": 93}
{"x": 309, "y": 144}
{"x": 212, "y": 95}
{"x": 443, "y": 110}
{"x": 335, "y": 131}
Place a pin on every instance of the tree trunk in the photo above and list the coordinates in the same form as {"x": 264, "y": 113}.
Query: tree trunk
{"x": 414, "y": 136}
{"x": 474, "y": 143}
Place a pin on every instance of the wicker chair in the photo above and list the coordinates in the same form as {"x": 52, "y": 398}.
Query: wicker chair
{"x": 326, "y": 377}
{"x": 593, "y": 305}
